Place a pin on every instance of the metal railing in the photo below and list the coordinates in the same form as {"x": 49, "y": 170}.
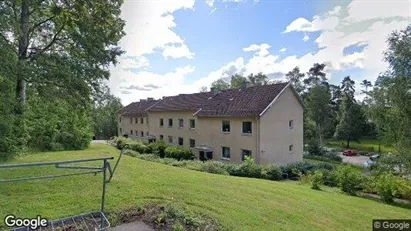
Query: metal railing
{"x": 106, "y": 169}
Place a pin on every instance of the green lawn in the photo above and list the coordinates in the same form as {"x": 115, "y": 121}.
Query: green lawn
{"x": 363, "y": 145}
{"x": 236, "y": 203}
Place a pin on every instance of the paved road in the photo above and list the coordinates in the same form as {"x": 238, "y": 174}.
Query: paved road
{"x": 357, "y": 160}
{"x": 134, "y": 226}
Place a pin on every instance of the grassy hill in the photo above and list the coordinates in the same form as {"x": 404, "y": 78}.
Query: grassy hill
{"x": 236, "y": 203}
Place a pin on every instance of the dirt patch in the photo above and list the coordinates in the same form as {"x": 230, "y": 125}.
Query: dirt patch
{"x": 166, "y": 217}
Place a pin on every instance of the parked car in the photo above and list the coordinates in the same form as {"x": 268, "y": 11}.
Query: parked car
{"x": 374, "y": 157}
{"x": 349, "y": 152}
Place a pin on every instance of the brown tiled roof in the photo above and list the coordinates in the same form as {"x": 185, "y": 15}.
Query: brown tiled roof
{"x": 236, "y": 103}
{"x": 137, "y": 108}
{"x": 182, "y": 102}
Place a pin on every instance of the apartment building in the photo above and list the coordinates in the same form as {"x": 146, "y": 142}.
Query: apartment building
{"x": 264, "y": 122}
{"x": 133, "y": 120}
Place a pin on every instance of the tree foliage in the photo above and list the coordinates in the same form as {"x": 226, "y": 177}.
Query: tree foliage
{"x": 57, "y": 52}
{"x": 351, "y": 120}
{"x": 104, "y": 114}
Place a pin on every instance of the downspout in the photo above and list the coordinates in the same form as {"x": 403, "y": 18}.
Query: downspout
{"x": 257, "y": 156}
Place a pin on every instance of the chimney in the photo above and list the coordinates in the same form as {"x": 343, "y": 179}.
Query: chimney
{"x": 213, "y": 90}
{"x": 149, "y": 99}
{"x": 142, "y": 100}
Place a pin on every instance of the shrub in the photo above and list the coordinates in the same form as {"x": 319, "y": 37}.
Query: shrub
{"x": 327, "y": 157}
{"x": 158, "y": 148}
{"x": 317, "y": 180}
{"x": 137, "y": 146}
{"x": 179, "y": 153}
{"x": 273, "y": 172}
{"x": 249, "y": 169}
{"x": 293, "y": 171}
{"x": 215, "y": 167}
{"x": 329, "y": 178}
{"x": 404, "y": 189}
{"x": 314, "y": 148}
{"x": 149, "y": 157}
{"x": 132, "y": 153}
{"x": 387, "y": 186}
{"x": 349, "y": 179}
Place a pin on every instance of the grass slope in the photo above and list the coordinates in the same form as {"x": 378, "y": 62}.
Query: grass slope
{"x": 237, "y": 203}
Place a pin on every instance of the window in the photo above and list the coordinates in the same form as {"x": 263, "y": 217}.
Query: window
{"x": 192, "y": 143}
{"x": 247, "y": 127}
{"x": 131, "y": 132}
{"x": 136, "y": 120}
{"x": 146, "y": 120}
{"x": 245, "y": 153}
{"x": 225, "y": 153}
{"x": 131, "y": 120}
{"x": 180, "y": 123}
{"x": 180, "y": 141}
{"x": 161, "y": 122}
{"x": 136, "y": 133}
{"x": 141, "y": 120}
{"x": 290, "y": 148}
{"x": 121, "y": 130}
{"x": 192, "y": 123}
{"x": 161, "y": 137}
{"x": 226, "y": 126}
{"x": 142, "y": 134}
{"x": 290, "y": 124}
{"x": 170, "y": 139}
{"x": 146, "y": 133}
{"x": 120, "y": 119}
{"x": 170, "y": 122}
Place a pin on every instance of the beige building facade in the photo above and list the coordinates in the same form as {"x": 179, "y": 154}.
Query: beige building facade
{"x": 216, "y": 126}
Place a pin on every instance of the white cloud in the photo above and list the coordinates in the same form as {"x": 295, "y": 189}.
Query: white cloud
{"x": 212, "y": 11}
{"x": 306, "y": 38}
{"x": 180, "y": 51}
{"x": 282, "y": 50}
{"x": 360, "y": 10}
{"x": 137, "y": 62}
{"x": 261, "y": 49}
{"x": 340, "y": 28}
{"x": 165, "y": 84}
{"x": 150, "y": 24}
{"x": 210, "y": 3}
{"x": 328, "y": 21}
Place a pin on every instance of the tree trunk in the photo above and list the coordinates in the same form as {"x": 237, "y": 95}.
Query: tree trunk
{"x": 348, "y": 143}
{"x": 22, "y": 53}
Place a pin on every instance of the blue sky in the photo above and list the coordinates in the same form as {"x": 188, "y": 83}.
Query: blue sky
{"x": 178, "y": 46}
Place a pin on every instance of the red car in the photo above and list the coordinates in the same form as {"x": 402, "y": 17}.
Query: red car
{"x": 349, "y": 152}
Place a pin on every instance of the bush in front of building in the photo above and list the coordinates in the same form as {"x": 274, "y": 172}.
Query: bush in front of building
{"x": 248, "y": 168}
{"x": 272, "y": 172}
{"x": 215, "y": 167}
{"x": 179, "y": 153}
{"x": 158, "y": 148}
